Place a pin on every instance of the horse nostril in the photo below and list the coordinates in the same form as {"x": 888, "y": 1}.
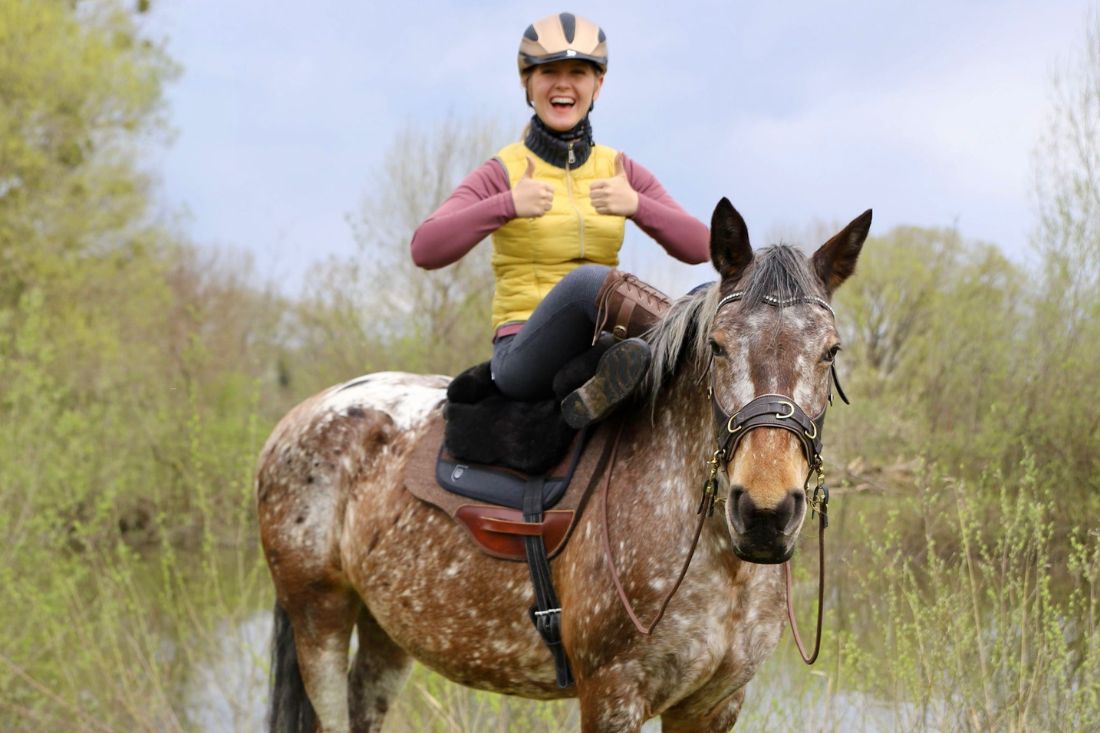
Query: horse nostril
{"x": 737, "y": 507}
{"x": 784, "y": 519}
{"x": 793, "y": 507}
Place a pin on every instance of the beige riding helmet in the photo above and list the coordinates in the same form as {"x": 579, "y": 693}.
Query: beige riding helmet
{"x": 562, "y": 36}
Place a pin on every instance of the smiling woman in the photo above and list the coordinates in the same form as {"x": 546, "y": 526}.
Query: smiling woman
{"x": 555, "y": 205}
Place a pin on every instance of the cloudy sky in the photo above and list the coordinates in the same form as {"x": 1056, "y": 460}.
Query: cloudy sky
{"x": 802, "y": 113}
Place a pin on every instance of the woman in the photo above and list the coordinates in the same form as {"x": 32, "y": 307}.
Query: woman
{"x": 556, "y": 205}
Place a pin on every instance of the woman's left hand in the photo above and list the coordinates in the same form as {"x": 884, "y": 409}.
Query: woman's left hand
{"x": 614, "y": 195}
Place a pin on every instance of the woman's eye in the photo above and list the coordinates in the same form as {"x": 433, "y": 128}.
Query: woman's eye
{"x": 831, "y": 354}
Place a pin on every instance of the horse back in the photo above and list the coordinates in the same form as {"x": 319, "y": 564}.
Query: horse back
{"x": 314, "y": 457}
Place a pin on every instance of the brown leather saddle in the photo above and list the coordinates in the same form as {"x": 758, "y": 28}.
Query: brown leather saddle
{"x": 490, "y": 506}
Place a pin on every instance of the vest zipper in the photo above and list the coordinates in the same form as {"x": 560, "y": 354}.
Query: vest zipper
{"x": 569, "y": 161}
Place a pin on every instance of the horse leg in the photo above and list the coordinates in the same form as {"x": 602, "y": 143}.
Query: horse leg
{"x": 718, "y": 719}
{"x": 322, "y": 632}
{"x": 377, "y": 674}
{"x": 610, "y": 709}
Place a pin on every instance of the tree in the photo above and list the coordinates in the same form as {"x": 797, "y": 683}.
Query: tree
{"x": 81, "y": 91}
{"x": 379, "y": 311}
{"x": 1063, "y": 351}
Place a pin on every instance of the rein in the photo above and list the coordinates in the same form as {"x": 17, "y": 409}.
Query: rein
{"x": 770, "y": 410}
{"x": 644, "y": 629}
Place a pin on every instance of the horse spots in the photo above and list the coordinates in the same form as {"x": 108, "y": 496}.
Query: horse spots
{"x": 465, "y": 614}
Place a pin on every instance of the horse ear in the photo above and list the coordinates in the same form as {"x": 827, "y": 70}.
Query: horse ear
{"x": 835, "y": 261}
{"x": 730, "y": 250}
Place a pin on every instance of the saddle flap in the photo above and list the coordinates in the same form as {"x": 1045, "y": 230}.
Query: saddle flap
{"x": 500, "y": 531}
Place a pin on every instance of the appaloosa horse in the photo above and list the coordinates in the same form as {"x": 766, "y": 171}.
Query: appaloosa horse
{"x": 350, "y": 548}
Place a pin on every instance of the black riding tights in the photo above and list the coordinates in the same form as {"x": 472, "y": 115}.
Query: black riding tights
{"x": 561, "y": 328}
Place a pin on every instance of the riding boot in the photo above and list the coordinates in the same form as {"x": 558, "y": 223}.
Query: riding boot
{"x": 627, "y": 308}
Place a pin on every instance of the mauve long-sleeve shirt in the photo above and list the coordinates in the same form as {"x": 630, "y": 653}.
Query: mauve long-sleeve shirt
{"x": 482, "y": 203}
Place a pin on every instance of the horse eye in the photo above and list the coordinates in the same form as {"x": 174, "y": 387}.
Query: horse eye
{"x": 716, "y": 349}
{"x": 831, "y": 354}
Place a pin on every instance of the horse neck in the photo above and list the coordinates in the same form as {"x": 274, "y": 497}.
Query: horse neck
{"x": 669, "y": 449}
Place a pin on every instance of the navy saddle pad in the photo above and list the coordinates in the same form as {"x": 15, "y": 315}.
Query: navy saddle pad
{"x": 505, "y": 486}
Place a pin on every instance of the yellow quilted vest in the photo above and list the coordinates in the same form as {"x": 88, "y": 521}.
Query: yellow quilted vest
{"x": 530, "y": 256}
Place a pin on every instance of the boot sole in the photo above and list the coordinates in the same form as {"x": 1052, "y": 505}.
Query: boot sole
{"x": 617, "y": 375}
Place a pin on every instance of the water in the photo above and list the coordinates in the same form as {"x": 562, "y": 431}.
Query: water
{"x": 227, "y": 692}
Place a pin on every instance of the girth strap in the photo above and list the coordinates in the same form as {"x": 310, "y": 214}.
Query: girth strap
{"x": 546, "y": 613}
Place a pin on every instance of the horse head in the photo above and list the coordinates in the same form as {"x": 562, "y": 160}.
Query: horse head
{"x": 772, "y": 342}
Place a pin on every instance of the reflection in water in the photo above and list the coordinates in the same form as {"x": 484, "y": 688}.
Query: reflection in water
{"x": 228, "y": 693}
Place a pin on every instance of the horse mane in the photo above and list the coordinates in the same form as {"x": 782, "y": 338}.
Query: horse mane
{"x": 680, "y": 339}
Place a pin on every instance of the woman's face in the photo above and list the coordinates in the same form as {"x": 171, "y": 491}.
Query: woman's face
{"x": 562, "y": 92}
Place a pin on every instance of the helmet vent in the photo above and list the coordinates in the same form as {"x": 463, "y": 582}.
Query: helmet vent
{"x": 568, "y": 25}
{"x": 531, "y": 34}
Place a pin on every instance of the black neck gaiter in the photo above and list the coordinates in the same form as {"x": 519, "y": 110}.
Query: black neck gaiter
{"x": 554, "y": 147}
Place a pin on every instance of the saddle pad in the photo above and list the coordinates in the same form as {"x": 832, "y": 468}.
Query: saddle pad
{"x": 499, "y": 530}
{"x": 504, "y": 486}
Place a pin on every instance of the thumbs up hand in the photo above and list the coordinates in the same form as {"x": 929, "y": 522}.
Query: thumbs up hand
{"x": 532, "y": 198}
{"x": 614, "y": 195}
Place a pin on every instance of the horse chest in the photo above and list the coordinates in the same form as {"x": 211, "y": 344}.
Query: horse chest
{"x": 757, "y": 619}
{"x": 726, "y": 637}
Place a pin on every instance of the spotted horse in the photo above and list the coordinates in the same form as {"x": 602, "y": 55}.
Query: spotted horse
{"x": 350, "y": 549}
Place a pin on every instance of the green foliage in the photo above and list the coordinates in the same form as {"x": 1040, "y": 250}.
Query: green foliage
{"x": 130, "y": 407}
{"x": 954, "y": 354}
{"x": 81, "y": 90}
{"x": 997, "y": 634}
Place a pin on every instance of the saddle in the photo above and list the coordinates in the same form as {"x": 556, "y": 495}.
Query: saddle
{"x": 487, "y": 501}
{"x": 509, "y": 513}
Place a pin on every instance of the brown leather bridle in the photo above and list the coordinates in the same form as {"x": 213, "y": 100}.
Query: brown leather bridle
{"x": 769, "y": 410}
{"x": 778, "y": 411}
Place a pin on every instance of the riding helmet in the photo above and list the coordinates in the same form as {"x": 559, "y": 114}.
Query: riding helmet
{"x": 562, "y": 36}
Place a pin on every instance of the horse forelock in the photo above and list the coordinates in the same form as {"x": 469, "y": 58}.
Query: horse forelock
{"x": 680, "y": 340}
{"x": 780, "y": 271}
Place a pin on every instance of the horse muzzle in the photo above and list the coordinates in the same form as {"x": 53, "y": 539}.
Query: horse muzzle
{"x": 765, "y": 535}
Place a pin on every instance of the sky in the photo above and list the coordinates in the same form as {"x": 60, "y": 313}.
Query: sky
{"x": 803, "y": 114}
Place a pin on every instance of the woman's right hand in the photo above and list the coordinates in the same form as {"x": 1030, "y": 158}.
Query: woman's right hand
{"x": 532, "y": 198}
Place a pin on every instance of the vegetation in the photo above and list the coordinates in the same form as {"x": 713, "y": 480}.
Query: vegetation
{"x": 140, "y": 375}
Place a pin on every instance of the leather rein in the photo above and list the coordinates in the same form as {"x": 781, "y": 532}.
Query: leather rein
{"x": 769, "y": 410}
